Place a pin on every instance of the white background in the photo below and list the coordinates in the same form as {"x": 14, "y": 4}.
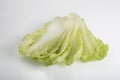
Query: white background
{"x": 19, "y": 17}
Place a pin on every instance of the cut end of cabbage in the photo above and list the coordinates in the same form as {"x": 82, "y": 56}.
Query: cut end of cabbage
{"x": 63, "y": 40}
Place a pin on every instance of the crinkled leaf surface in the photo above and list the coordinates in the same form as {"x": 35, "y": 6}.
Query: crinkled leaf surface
{"x": 63, "y": 40}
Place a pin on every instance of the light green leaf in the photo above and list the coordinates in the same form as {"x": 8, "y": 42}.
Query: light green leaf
{"x": 63, "y": 40}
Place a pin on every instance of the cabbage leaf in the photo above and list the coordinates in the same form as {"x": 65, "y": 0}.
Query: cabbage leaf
{"x": 63, "y": 40}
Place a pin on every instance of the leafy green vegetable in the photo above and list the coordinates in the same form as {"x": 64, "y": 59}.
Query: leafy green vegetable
{"x": 63, "y": 40}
